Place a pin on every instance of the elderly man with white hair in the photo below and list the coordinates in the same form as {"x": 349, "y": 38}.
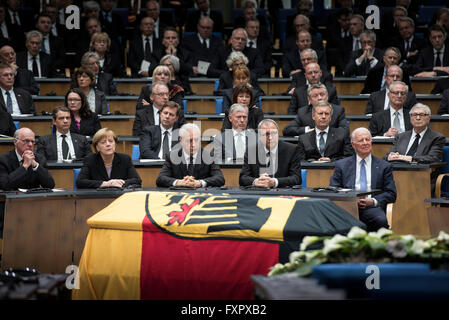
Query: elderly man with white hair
{"x": 187, "y": 166}
{"x": 365, "y": 172}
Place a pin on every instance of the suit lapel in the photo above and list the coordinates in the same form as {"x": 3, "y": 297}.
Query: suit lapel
{"x": 374, "y": 172}
{"x": 20, "y": 101}
{"x": 312, "y": 139}
{"x": 54, "y": 145}
{"x": 352, "y": 171}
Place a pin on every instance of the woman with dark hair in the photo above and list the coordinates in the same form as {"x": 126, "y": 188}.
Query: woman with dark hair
{"x": 243, "y": 94}
{"x": 109, "y": 60}
{"x": 84, "y": 79}
{"x": 106, "y": 168}
{"x": 162, "y": 74}
{"x": 84, "y": 121}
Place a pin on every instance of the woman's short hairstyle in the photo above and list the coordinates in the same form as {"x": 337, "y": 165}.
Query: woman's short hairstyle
{"x": 84, "y": 111}
{"x": 236, "y": 56}
{"x": 101, "y": 134}
{"x": 161, "y": 69}
{"x": 244, "y": 88}
{"x": 241, "y": 72}
{"x": 84, "y": 70}
{"x": 89, "y": 54}
{"x": 174, "y": 61}
{"x": 100, "y": 36}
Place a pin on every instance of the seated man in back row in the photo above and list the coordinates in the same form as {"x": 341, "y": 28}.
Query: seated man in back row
{"x": 364, "y": 172}
{"x": 187, "y": 165}
{"x": 271, "y": 163}
{"x": 324, "y": 143}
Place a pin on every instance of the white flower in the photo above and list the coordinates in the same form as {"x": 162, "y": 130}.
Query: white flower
{"x": 296, "y": 255}
{"x": 408, "y": 238}
{"x": 396, "y": 248}
{"x": 311, "y": 254}
{"x": 356, "y": 232}
{"x": 329, "y": 247}
{"x": 308, "y": 240}
{"x": 419, "y": 246}
{"x": 443, "y": 236}
{"x": 338, "y": 238}
{"x": 383, "y": 232}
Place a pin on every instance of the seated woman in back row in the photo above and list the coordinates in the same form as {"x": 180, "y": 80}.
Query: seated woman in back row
{"x": 106, "y": 168}
{"x": 84, "y": 121}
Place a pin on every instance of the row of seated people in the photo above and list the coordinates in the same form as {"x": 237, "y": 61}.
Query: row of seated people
{"x": 185, "y": 166}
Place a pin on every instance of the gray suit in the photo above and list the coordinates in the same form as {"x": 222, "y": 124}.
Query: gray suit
{"x": 376, "y": 101}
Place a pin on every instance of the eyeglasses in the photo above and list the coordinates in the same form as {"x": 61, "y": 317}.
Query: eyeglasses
{"x": 416, "y": 115}
{"x": 27, "y": 141}
{"x": 398, "y": 93}
{"x": 6, "y": 75}
{"x": 74, "y": 100}
{"x": 268, "y": 133}
{"x": 162, "y": 94}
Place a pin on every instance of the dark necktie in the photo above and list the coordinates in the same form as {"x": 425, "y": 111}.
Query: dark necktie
{"x": 322, "y": 143}
{"x": 147, "y": 49}
{"x": 15, "y": 20}
{"x": 251, "y": 43}
{"x": 8, "y": 102}
{"x": 190, "y": 166}
{"x": 65, "y": 147}
{"x": 268, "y": 159}
{"x": 363, "y": 182}
{"x": 406, "y": 47}
{"x": 414, "y": 146}
{"x": 205, "y": 44}
{"x": 35, "y": 68}
{"x": 165, "y": 147}
{"x": 438, "y": 60}
{"x": 357, "y": 44}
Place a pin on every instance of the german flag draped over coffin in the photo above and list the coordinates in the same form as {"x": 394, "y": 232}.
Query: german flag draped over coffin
{"x": 164, "y": 245}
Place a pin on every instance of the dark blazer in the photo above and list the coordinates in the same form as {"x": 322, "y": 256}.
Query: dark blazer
{"x": 299, "y": 80}
{"x": 145, "y": 117}
{"x": 93, "y": 173}
{"x": 115, "y": 28}
{"x": 88, "y": 126}
{"x": 444, "y": 104}
{"x": 373, "y": 81}
{"x": 441, "y": 85}
{"x": 337, "y": 146}
{"x": 24, "y": 79}
{"x": 381, "y": 122}
{"x": 288, "y": 167}
{"x": 195, "y": 52}
{"x": 381, "y": 178}
{"x": 264, "y": 47}
{"x": 137, "y": 53}
{"x": 376, "y": 101}
{"x": 304, "y": 119}
{"x": 255, "y": 60}
{"x": 194, "y": 16}
{"x": 170, "y": 172}
{"x": 112, "y": 64}
{"x": 351, "y": 69}
{"x": 426, "y": 61}
{"x": 430, "y": 149}
{"x": 292, "y": 61}
{"x": 47, "y": 147}
{"x": 16, "y": 36}
{"x": 300, "y": 98}
{"x": 14, "y": 176}
{"x": 105, "y": 83}
{"x": 417, "y": 44}
{"x": 224, "y": 149}
{"x": 24, "y": 100}
{"x": 150, "y": 142}
{"x": 45, "y": 62}
{"x": 101, "y": 107}
{"x": 7, "y": 126}
{"x": 226, "y": 81}
{"x": 176, "y": 94}
{"x": 57, "y": 52}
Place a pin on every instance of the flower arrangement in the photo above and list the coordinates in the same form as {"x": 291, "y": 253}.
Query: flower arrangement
{"x": 358, "y": 246}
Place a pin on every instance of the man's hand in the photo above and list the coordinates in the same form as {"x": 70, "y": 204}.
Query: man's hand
{"x": 189, "y": 181}
{"x": 324, "y": 159}
{"x": 295, "y": 71}
{"x": 426, "y": 74}
{"x": 144, "y": 73}
{"x": 14, "y": 67}
{"x": 396, "y": 156}
{"x": 171, "y": 50}
{"x": 265, "y": 181}
{"x": 28, "y": 159}
{"x": 444, "y": 69}
{"x": 145, "y": 102}
{"x": 113, "y": 183}
{"x": 365, "y": 202}
{"x": 391, "y": 132}
{"x": 195, "y": 70}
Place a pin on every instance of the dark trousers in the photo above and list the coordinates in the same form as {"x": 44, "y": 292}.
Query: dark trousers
{"x": 374, "y": 218}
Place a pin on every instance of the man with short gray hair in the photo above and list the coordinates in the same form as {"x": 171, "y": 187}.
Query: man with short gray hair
{"x": 33, "y": 59}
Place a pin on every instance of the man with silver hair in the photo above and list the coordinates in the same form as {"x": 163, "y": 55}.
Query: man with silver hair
{"x": 271, "y": 163}
{"x": 365, "y": 172}
{"x": 187, "y": 166}
{"x": 420, "y": 144}
{"x": 232, "y": 144}
{"x": 33, "y": 59}
{"x": 238, "y": 42}
{"x": 104, "y": 80}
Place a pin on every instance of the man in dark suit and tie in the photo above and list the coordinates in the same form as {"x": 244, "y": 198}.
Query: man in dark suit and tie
{"x": 153, "y": 10}
{"x": 365, "y": 172}
{"x": 205, "y": 47}
{"x": 390, "y": 122}
{"x": 10, "y": 33}
{"x": 379, "y": 100}
{"x": 188, "y": 165}
{"x": 62, "y": 144}
{"x": 149, "y": 114}
{"x": 261, "y": 44}
{"x": 13, "y": 100}
{"x": 23, "y": 78}
{"x": 304, "y": 123}
{"x": 33, "y": 59}
{"x": 145, "y": 50}
{"x": 232, "y": 144}
{"x": 204, "y": 11}
{"x": 21, "y": 168}
{"x": 156, "y": 142}
{"x": 433, "y": 60}
{"x": 300, "y": 98}
{"x": 111, "y": 22}
{"x": 271, "y": 163}
{"x": 324, "y": 143}
{"x": 364, "y": 59}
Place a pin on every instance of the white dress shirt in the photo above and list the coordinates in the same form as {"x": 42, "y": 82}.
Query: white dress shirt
{"x": 170, "y": 135}
{"x": 91, "y": 99}
{"x": 317, "y": 132}
{"x": 15, "y": 104}
{"x": 187, "y": 161}
{"x": 413, "y": 137}
{"x": 30, "y": 63}
{"x": 401, "y": 119}
{"x": 68, "y": 138}
{"x": 387, "y": 100}
{"x": 235, "y": 134}
{"x": 202, "y": 40}
{"x": 4, "y": 30}
{"x": 254, "y": 41}
{"x": 156, "y": 116}
{"x": 368, "y": 161}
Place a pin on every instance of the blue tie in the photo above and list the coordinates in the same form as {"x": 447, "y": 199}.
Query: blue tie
{"x": 8, "y": 102}
{"x": 363, "y": 184}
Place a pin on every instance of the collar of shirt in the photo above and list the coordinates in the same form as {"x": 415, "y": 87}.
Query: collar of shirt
{"x": 187, "y": 157}
{"x": 236, "y": 132}
{"x": 144, "y": 38}
{"x": 59, "y": 134}
{"x": 318, "y": 131}
{"x": 421, "y": 134}
{"x": 401, "y": 112}
{"x": 207, "y": 12}
{"x": 156, "y": 115}
{"x": 4, "y": 91}
{"x": 253, "y": 40}
{"x": 163, "y": 130}
{"x": 273, "y": 151}
{"x": 441, "y": 50}
{"x": 367, "y": 161}
{"x": 30, "y": 57}
{"x": 201, "y": 39}
{"x": 19, "y": 157}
